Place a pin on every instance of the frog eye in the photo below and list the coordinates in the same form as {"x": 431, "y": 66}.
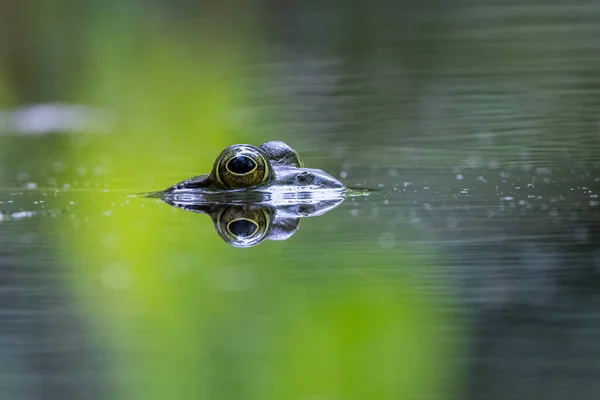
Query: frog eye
{"x": 241, "y": 166}
{"x": 243, "y": 226}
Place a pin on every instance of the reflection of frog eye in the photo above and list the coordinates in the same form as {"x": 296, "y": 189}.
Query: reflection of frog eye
{"x": 241, "y": 166}
{"x": 243, "y": 226}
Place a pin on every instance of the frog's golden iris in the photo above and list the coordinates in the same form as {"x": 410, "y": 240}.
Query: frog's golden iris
{"x": 241, "y": 166}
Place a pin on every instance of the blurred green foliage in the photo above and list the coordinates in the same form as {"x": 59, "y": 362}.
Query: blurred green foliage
{"x": 182, "y": 314}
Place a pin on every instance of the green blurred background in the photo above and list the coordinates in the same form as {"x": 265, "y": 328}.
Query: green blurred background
{"x": 162, "y": 308}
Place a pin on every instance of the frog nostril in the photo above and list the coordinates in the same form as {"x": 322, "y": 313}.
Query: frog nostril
{"x": 305, "y": 178}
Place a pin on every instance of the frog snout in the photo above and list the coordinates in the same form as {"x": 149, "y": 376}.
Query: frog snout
{"x": 317, "y": 179}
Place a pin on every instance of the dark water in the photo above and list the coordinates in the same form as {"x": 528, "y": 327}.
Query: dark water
{"x": 472, "y": 271}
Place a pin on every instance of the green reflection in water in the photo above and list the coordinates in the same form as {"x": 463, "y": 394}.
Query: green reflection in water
{"x": 185, "y": 315}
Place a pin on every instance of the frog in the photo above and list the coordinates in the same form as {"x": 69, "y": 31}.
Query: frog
{"x": 272, "y": 167}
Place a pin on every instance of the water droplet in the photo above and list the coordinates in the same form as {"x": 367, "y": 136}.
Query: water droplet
{"x": 21, "y": 214}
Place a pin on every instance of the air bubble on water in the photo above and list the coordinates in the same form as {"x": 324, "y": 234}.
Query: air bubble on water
{"x": 343, "y": 174}
{"x": 407, "y": 184}
{"x": 459, "y": 177}
{"x": 21, "y": 214}
{"x": 472, "y": 162}
{"x": 504, "y": 174}
{"x": 1, "y": 217}
{"x": 386, "y": 201}
{"x": 380, "y": 185}
{"x": 107, "y": 213}
{"x": 530, "y": 185}
{"x": 507, "y": 198}
{"x": 354, "y": 212}
{"x": 481, "y": 179}
{"x": 66, "y": 186}
{"x": 31, "y": 185}
{"x": 594, "y": 203}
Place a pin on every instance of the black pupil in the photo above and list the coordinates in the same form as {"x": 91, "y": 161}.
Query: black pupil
{"x": 242, "y": 228}
{"x": 241, "y": 165}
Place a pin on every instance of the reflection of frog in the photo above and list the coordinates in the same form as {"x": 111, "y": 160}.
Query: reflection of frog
{"x": 272, "y": 167}
{"x": 246, "y": 225}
